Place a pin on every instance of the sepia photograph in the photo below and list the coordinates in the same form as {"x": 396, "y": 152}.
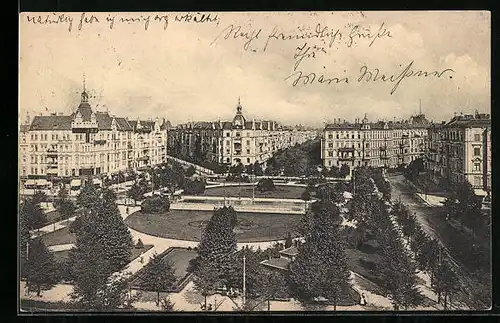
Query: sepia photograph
{"x": 253, "y": 162}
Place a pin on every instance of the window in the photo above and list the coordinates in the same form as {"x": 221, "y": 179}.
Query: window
{"x": 330, "y": 154}
{"x": 477, "y": 137}
{"x": 337, "y": 136}
{"x": 248, "y": 142}
{"x": 330, "y": 145}
{"x": 227, "y": 160}
{"x": 352, "y": 136}
{"x": 477, "y": 167}
{"x": 248, "y": 151}
{"x": 248, "y": 160}
{"x": 367, "y": 145}
{"x": 330, "y": 136}
{"x": 477, "y": 151}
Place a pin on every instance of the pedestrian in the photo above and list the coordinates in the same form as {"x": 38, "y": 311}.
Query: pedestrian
{"x": 209, "y": 307}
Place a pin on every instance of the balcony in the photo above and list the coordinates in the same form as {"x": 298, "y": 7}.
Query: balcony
{"x": 346, "y": 149}
{"x": 143, "y": 158}
{"x": 52, "y": 171}
{"x": 346, "y": 157}
{"x": 99, "y": 142}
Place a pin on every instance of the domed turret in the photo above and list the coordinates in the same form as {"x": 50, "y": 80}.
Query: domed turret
{"x": 239, "y": 119}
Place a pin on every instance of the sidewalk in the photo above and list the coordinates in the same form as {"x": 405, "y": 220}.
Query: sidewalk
{"x": 431, "y": 200}
{"x": 52, "y": 227}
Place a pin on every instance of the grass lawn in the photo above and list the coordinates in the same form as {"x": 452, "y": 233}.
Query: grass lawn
{"x": 62, "y": 256}
{"x": 55, "y": 216}
{"x": 364, "y": 264}
{"x": 179, "y": 259}
{"x": 62, "y": 236}
{"x": 184, "y": 225}
{"x": 281, "y": 192}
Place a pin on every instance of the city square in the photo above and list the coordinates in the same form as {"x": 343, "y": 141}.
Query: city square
{"x": 144, "y": 192}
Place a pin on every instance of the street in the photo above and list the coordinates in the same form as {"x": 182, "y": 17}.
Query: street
{"x": 434, "y": 223}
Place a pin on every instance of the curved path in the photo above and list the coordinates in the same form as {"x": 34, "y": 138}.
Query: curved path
{"x": 162, "y": 244}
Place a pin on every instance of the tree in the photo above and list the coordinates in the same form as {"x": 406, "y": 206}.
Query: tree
{"x": 265, "y": 185}
{"x": 305, "y": 196}
{"x": 398, "y": 273}
{"x": 158, "y": 277}
{"x": 139, "y": 244}
{"x": 64, "y": 205}
{"x": 88, "y": 195}
{"x": 155, "y": 205}
{"x": 288, "y": 240}
{"x": 273, "y": 285}
{"x": 137, "y": 191}
{"x": 344, "y": 170}
{"x": 41, "y": 267}
{"x": 218, "y": 244}
{"x": 167, "y": 305}
{"x": 206, "y": 278}
{"x": 32, "y": 214}
{"x": 190, "y": 171}
{"x": 24, "y": 238}
{"x": 444, "y": 282}
{"x": 320, "y": 269}
{"x": 257, "y": 169}
{"x": 103, "y": 246}
{"x": 39, "y": 197}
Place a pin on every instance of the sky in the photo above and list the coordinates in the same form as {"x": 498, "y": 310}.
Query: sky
{"x": 192, "y": 71}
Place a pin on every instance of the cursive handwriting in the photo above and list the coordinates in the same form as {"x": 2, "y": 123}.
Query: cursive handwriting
{"x": 359, "y": 32}
{"x": 300, "y": 77}
{"x": 197, "y": 18}
{"x": 320, "y": 32}
{"x": 235, "y": 32}
{"x": 306, "y": 51}
{"x": 373, "y": 75}
{"x": 51, "y": 19}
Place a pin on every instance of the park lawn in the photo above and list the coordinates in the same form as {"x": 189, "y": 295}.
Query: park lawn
{"x": 52, "y": 217}
{"x": 364, "y": 264}
{"x": 281, "y": 192}
{"x": 175, "y": 224}
{"x": 61, "y": 236}
{"x": 178, "y": 258}
{"x": 62, "y": 256}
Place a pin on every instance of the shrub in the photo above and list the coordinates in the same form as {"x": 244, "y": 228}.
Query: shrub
{"x": 238, "y": 178}
{"x": 139, "y": 244}
{"x": 194, "y": 187}
{"x": 155, "y": 204}
{"x": 265, "y": 185}
{"x": 190, "y": 171}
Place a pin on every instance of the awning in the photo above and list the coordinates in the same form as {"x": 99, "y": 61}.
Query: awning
{"x": 76, "y": 182}
{"x": 30, "y": 182}
{"x": 41, "y": 182}
{"x": 96, "y": 181}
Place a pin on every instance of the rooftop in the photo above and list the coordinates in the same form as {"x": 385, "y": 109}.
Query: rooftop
{"x": 291, "y": 251}
{"x": 279, "y": 263}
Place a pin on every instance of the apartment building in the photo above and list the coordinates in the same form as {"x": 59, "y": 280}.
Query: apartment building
{"x": 89, "y": 142}
{"x": 377, "y": 144}
{"x": 460, "y": 149}
{"x": 236, "y": 141}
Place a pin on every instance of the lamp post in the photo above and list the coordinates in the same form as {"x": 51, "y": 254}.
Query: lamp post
{"x": 244, "y": 280}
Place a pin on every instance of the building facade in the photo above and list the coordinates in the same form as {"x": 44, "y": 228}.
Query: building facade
{"x": 233, "y": 142}
{"x": 89, "y": 142}
{"x": 377, "y": 144}
{"x": 461, "y": 150}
